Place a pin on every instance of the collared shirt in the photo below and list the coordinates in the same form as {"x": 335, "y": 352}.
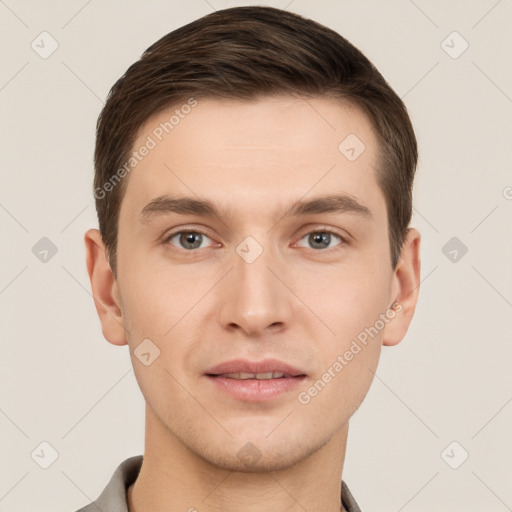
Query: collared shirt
{"x": 113, "y": 497}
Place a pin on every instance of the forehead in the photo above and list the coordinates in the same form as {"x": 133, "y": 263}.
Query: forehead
{"x": 252, "y": 154}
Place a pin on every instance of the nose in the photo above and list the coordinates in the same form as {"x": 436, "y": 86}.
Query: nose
{"x": 254, "y": 299}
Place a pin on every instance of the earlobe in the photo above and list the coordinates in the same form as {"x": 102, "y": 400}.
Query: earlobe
{"x": 405, "y": 289}
{"x": 104, "y": 289}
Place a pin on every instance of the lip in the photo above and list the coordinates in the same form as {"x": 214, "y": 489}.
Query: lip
{"x": 255, "y": 390}
{"x": 243, "y": 365}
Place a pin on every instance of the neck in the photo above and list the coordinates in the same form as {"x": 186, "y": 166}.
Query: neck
{"x": 173, "y": 478}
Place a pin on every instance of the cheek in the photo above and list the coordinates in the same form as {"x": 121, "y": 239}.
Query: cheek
{"x": 349, "y": 357}
{"x": 350, "y": 302}
{"x": 161, "y": 306}
{"x": 346, "y": 299}
{"x": 158, "y": 296}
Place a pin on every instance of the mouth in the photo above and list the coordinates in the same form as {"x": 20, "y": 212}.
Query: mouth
{"x": 258, "y": 376}
{"x": 255, "y": 381}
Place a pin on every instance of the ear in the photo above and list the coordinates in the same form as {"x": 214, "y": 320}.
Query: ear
{"x": 405, "y": 287}
{"x": 104, "y": 288}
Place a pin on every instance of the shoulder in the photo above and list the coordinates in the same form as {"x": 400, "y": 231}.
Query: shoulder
{"x": 113, "y": 497}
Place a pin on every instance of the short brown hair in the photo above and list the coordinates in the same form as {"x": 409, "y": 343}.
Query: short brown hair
{"x": 245, "y": 53}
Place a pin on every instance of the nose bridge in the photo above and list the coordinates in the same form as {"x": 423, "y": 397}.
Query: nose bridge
{"x": 255, "y": 299}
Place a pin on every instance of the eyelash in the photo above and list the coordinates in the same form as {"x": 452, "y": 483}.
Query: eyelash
{"x": 343, "y": 240}
{"x": 169, "y": 237}
{"x": 330, "y": 231}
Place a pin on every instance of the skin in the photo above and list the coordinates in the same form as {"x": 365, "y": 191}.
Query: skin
{"x": 296, "y": 302}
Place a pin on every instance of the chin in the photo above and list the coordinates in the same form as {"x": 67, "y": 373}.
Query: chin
{"x": 259, "y": 455}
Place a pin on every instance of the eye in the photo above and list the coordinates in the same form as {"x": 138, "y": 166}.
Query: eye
{"x": 320, "y": 240}
{"x": 189, "y": 240}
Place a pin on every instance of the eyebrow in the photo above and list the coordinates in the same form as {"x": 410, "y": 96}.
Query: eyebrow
{"x": 189, "y": 206}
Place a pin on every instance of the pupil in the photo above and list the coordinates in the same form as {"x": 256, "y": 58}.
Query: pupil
{"x": 320, "y": 240}
{"x": 191, "y": 240}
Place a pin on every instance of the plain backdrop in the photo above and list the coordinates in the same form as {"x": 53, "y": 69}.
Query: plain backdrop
{"x": 441, "y": 395}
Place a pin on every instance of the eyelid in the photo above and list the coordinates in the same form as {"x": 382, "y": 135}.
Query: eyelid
{"x": 344, "y": 237}
{"x": 166, "y": 238}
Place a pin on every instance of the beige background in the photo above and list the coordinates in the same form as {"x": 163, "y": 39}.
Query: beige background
{"x": 450, "y": 380}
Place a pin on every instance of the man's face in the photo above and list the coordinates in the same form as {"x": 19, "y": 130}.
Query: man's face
{"x": 260, "y": 280}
